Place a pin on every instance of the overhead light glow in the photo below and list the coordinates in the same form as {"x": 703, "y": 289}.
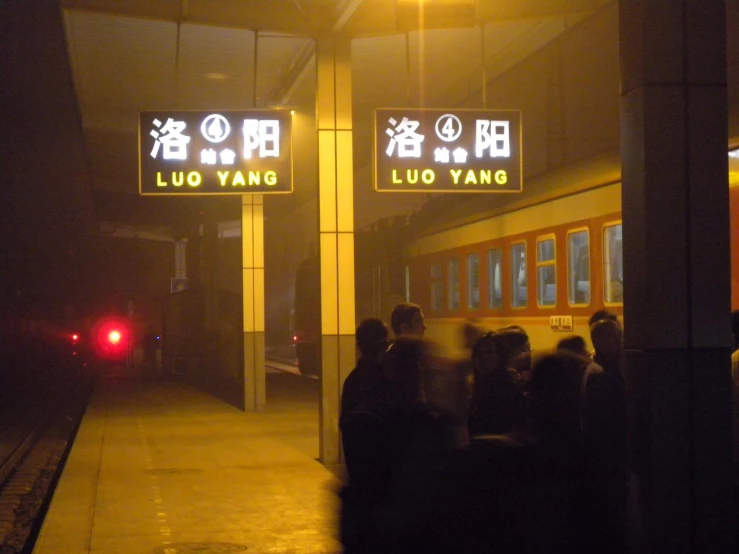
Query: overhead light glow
{"x": 216, "y": 76}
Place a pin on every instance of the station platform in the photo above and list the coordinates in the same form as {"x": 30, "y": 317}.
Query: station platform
{"x": 160, "y": 467}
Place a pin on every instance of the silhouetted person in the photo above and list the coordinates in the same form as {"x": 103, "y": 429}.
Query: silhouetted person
{"x": 607, "y": 338}
{"x": 365, "y": 398}
{"x": 367, "y": 379}
{"x": 149, "y": 343}
{"x": 407, "y": 320}
{"x": 519, "y": 350}
{"x": 599, "y": 315}
{"x": 493, "y": 498}
{"x": 575, "y": 344}
{"x": 555, "y": 404}
{"x": 604, "y": 440}
{"x": 498, "y": 405}
{"x": 398, "y": 446}
{"x": 735, "y": 354}
{"x": 735, "y": 386}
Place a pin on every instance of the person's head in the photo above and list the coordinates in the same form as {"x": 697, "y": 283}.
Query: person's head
{"x": 407, "y": 320}
{"x": 599, "y": 315}
{"x": 371, "y": 337}
{"x": 517, "y": 339}
{"x": 405, "y": 363}
{"x": 607, "y": 338}
{"x": 490, "y": 354}
{"x": 575, "y": 344}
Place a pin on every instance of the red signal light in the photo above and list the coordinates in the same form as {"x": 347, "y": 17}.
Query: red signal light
{"x": 111, "y": 338}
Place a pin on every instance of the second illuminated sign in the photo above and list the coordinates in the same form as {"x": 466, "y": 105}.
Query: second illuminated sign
{"x": 447, "y": 150}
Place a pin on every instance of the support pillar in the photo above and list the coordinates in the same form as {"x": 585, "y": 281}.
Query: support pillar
{"x": 676, "y": 270}
{"x": 336, "y": 228}
{"x": 252, "y": 263}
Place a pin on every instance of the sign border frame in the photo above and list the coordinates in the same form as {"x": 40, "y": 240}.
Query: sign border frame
{"x": 455, "y": 191}
{"x": 264, "y": 110}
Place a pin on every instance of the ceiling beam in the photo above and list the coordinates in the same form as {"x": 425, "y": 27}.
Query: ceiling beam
{"x": 383, "y": 17}
{"x": 356, "y": 18}
{"x": 281, "y": 16}
{"x": 305, "y": 57}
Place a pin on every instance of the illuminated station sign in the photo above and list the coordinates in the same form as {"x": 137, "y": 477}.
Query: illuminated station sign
{"x": 224, "y": 152}
{"x": 448, "y": 150}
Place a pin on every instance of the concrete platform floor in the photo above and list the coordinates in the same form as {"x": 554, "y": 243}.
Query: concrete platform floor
{"x": 164, "y": 468}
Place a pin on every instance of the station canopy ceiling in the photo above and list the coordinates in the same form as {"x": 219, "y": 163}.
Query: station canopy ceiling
{"x": 133, "y": 55}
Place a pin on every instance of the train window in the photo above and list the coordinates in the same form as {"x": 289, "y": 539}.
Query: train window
{"x": 495, "y": 289}
{"x": 453, "y": 284}
{"x": 613, "y": 268}
{"x": 519, "y": 286}
{"x": 546, "y": 272}
{"x": 437, "y": 289}
{"x": 578, "y": 267}
{"x": 407, "y": 283}
{"x": 473, "y": 281}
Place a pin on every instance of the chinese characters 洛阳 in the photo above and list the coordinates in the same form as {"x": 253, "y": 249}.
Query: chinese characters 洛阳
{"x": 492, "y": 139}
{"x": 260, "y": 139}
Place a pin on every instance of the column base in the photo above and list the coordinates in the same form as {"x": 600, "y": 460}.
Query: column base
{"x": 680, "y": 445}
{"x": 255, "y": 393}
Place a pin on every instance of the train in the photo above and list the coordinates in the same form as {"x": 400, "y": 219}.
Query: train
{"x": 546, "y": 266}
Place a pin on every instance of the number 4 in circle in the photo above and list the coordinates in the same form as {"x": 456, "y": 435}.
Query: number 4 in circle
{"x": 448, "y": 127}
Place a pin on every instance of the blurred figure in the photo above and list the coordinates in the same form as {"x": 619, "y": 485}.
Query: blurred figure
{"x": 407, "y": 320}
{"x": 498, "y": 405}
{"x": 459, "y": 386}
{"x": 367, "y": 379}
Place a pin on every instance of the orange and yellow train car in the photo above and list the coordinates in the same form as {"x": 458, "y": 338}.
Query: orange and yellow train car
{"x": 546, "y": 267}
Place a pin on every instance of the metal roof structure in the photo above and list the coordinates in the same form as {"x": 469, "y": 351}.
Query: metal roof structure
{"x": 132, "y": 55}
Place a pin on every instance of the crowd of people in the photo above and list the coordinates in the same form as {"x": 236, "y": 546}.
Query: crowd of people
{"x": 505, "y": 451}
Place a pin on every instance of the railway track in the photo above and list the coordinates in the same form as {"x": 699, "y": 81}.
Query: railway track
{"x": 38, "y": 429}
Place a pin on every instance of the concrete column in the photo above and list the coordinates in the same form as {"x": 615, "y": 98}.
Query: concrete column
{"x": 676, "y": 269}
{"x": 252, "y": 263}
{"x": 336, "y": 227}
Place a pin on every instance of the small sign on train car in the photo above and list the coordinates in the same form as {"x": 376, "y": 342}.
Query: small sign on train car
{"x": 561, "y": 323}
{"x": 215, "y": 152}
{"x": 424, "y": 150}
